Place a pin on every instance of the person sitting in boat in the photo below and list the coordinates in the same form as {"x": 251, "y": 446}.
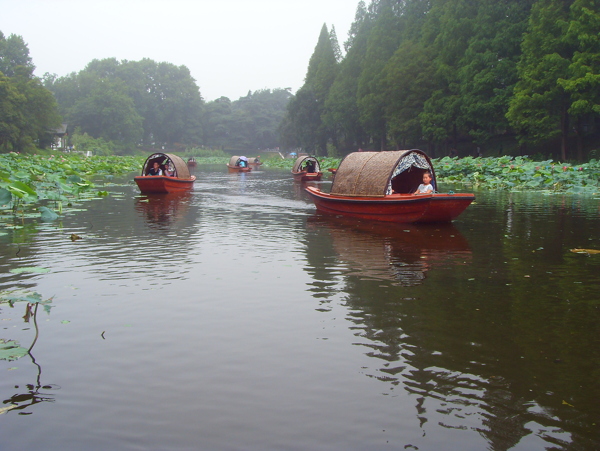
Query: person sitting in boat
{"x": 425, "y": 187}
{"x": 155, "y": 169}
{"x": 310, "y": 166}
{"x": 169, "y": 172}
{"x": 241, "y": 163}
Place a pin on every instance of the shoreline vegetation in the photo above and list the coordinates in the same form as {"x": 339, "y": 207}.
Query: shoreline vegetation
{"x": 43, "y": 186}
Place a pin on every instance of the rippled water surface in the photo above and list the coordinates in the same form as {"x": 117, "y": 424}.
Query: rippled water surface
{"x": 236, "y": 318}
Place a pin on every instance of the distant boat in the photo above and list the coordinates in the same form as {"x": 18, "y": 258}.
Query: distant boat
{"x": 255, "y": 163}
{"x": 238, "y": 164}
{"x": 180, "y": 179}
{"x": 379, "y": 186}
{"x": 307, "y": 168}
{"x": 191, "y": 162}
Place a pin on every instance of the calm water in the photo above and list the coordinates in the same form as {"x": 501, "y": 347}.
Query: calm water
{"x": 235, "y": 318}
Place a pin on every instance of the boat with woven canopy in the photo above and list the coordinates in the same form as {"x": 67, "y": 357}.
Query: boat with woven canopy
{"x": 238, "y": 164}
{"x": 380, "y": 186}
{"x": 306, "y": 168}
{"x": 255, "y": 162}
{"x": 164, "y": 173}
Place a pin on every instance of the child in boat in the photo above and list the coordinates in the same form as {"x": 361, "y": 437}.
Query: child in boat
{"x": 169, "y": 172}
{"x": 425, "y": 187}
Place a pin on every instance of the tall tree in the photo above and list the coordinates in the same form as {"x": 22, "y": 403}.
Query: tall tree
{"x": 583, "y": 80}
{"x": 309, "y": 104}
{"x": 28, "y": 110}
{"x": 408, "y": 84}
{"x": 488, "y": 71}
{"x": 384, "y": 38}
{"x": 539, "y": 109}
{"x": 449, "y": 25}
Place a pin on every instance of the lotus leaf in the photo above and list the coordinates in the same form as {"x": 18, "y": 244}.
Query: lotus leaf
{"x": 30, "y": 269}
{"x": 47, "y": 215}
{"x": 11, "y": 350}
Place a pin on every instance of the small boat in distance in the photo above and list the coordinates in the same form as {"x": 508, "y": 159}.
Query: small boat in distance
{"x": 306, "y": 169}
{"x": 238, "y": 164}
{"x": 191, "y": 162}
{"x": 380, "y": 185}
{"x": 255, "y": 162}
{"x": 164, "y": 173}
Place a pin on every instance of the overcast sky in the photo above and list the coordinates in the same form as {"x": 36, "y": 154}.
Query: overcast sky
{"x": 229, "y": 46}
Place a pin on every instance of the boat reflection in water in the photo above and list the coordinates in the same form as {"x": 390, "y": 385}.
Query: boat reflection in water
{"x": 163, "y": 210}
{"x": 401, "y": 253}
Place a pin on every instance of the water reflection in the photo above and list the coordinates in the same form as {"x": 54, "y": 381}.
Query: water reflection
{"x": 29, "y": 394}
{"x": 163, "y": 210}
{"x": 401, "y": 253}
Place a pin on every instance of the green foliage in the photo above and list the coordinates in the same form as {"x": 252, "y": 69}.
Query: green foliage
{"x": 507, "y": 173}
{"x": 132, "y": 102}
{"x": 460, "y": 73}
{"x": 85, "y": 143}
{"x": 305, "y": 123}
{"x": 27, "y": 181}
{"x": 27, "y": 110}
{"x": 251, "y": 122}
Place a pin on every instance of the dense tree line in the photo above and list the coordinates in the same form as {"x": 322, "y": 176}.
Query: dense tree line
{"x": 28, "y": 111}
{"x": 150, "y": 104}
{"x": 251, "y": 122}
{"x": 123, "y": 105}
{"x": 444, "y": 74}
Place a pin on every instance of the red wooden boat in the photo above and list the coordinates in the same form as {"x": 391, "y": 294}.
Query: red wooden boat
{"x": 178, "y": 180}
{"x": 379, "y": 186}
{"x": 238, "y": 164}
{"x": 192, "y": 162}
{"x": 306, "y": 169}
{"x": 255, "y": 163}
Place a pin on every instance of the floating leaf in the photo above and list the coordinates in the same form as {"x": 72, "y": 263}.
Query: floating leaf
{"x": 47, "y": 215}
{"x": 75, "y": 237}
{"x": 20, "y": 296}
{"x": 586, "y": 251}
{"x": 30, "y": 269}
{"x": 11, "y": 350}
{"x": 7, "y": 408}
{"x": 5, "y": 196}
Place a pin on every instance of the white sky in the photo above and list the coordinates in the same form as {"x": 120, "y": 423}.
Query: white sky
{"x": 229, "y": 46}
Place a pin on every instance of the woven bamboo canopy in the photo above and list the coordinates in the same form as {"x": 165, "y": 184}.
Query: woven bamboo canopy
{"x": 305, "y": 159}
{"x": 163, "y": 159}
{"x": 375, "y": 174}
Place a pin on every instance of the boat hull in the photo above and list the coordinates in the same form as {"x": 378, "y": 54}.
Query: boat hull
{"x": 402, "y": 208}
{"x": 160, "y": 184}
{"x": 307, "y": 176}
{"x": 231, "y": 168}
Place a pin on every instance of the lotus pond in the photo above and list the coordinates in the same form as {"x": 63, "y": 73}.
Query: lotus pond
{"x": 235, "y": 317}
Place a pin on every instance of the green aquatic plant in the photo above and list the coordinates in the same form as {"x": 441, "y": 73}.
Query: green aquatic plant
{"x": 26, "y": 181}
{"x": 11, "y": 349}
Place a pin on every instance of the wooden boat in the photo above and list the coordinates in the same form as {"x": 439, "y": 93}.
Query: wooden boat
{"x": 379, "y": 186}
{"x": 238, "y": 164}
{"x": 181, "y": 180}
{"x": 307, "y": 168}
{"x": 255, "y": 163}
{"x": 192, "y": 162}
